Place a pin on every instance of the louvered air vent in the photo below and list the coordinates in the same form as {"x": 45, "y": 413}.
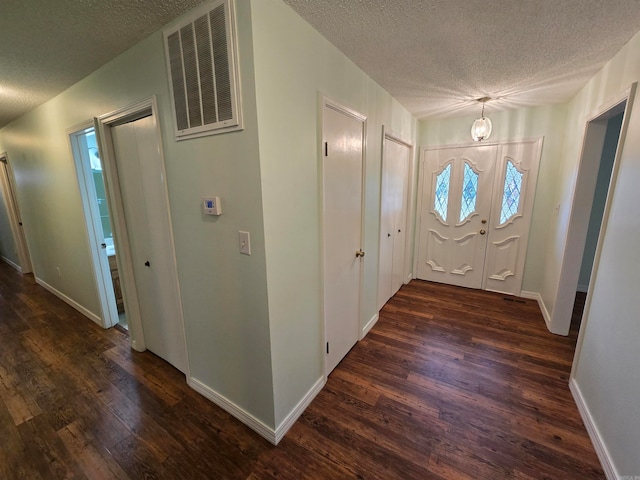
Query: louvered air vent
{"x": 203, "y": 70}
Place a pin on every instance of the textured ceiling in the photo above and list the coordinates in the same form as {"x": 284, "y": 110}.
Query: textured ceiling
{"x": 48, "y": 45}
{"x": 437, "y": 56}
{"x": 434, "y": 56}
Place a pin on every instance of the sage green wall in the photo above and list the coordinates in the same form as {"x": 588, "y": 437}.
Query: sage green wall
{"x": 224, "y": 293}
{"x": 547, "y": 122}
{"x": 294, "y": 65}
{"x": 606, "y": 365}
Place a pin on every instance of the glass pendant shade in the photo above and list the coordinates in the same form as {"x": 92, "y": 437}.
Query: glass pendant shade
{"x": 481, "y": 129}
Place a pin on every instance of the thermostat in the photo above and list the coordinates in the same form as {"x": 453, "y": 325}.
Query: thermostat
{"x": 211, "y": 206}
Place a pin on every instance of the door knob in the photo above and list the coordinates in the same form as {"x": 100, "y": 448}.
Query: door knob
{"x": 147, "y": 264}
{"x": 388, "y": 235}
{"x": 103, "y": 245}
{"x": 483, "y": 221}
{"x": 359, "y": 253}
{"x": 482, "y": 232}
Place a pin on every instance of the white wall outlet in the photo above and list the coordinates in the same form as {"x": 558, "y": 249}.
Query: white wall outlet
{"x": 211, "y": 206}
{"x": 244, "y": 240}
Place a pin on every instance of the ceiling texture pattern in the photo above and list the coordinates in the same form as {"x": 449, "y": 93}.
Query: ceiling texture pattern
{"x": 435, "y": 56}
{"x": 438, "y": 56}
{"x": 48, "y": 45}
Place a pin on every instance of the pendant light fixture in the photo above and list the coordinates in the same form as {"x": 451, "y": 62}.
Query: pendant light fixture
{"x": 481, "y": 128}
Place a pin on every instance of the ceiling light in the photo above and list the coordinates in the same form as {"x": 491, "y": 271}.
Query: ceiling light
{"x": 481, "y": 128}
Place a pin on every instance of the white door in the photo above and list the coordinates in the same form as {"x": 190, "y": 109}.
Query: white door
{"x": 143, "y": 192}
{"x": 457, "y": 188}
{"x": 475, "y": 214}
{"x": 342, "y": 169}
{"x": 515, "y": 187}
{"x": 393, "y": 218}
{"x": 87, "y": 168}
{"x": 15, "y": 220}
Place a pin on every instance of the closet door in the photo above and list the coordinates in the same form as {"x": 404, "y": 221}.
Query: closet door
{"x": 393, "y": 218}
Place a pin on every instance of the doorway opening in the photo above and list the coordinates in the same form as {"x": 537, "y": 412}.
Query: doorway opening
{"x": 99, "y": 226}
{"x": 595, "y": 181}
{"x": 15, "y": 219}
{"x": 603, "y": 181}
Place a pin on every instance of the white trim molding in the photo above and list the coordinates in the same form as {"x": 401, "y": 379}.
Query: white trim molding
{"x": 298, "y": 410}
{"x": 13, "y": 264}
{"x": 272, "y": 435}
{"x": 231, "y": 408}
{"x": 369, "y": 326}
{"x": 90, "y": 315}
{"x": 543, "y": 308}
{"x": 594, "y": 434}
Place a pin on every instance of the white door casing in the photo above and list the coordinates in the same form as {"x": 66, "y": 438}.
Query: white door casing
{"x": 155, "y": 289}
{"x": 488, "y": 248}
{"x": 393, "y": 217}
{"x": 342, "y": 180}
{"x": 456, "y": 200}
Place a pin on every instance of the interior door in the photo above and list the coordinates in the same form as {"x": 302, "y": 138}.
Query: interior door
{"x": 15, "y": 219}
{"x": 143, "y": 191}
{"x": 342, "y": 169}
{"x": 393, "y": 218}
{"x": 457, "y": 188}
{"x": 89, "y": 169}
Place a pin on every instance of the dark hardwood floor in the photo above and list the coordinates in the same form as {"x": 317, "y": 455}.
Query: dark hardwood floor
{"x": 450, "y": 384}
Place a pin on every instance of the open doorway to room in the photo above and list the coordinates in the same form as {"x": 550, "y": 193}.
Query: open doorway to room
{"x": 603, "y": 181}
{"x": 7, "y": 186}
{"x": 99, "y": 226}
{"x": 596, "y": 177}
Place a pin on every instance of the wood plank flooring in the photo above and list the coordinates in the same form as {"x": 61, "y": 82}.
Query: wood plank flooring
{"x": 450, "y": 384}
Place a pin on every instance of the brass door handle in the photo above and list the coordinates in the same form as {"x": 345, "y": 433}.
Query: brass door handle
{"x": 359, "y": 253}
{"x": 482, "y": 232}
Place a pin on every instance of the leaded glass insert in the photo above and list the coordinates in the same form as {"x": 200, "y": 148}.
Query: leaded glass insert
{"x": 511, "y": 196}
{"x": 441, "y": 198}
{"x": 469, "y": 192}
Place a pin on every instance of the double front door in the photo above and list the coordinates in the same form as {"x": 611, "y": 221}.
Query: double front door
{"x": 476, "y": 206}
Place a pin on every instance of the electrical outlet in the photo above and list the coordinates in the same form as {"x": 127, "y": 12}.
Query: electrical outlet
{"x": 244, "y": 241}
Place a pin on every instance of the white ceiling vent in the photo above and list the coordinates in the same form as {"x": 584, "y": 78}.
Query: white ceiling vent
{"x": 202, "y": 59}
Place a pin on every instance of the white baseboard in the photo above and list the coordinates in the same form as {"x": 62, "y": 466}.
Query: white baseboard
{"x": 231, "y": 408}
{"x": 13, "y": 264}
{"x": 290, "y": 419}
{"x": 369, "y": 326}
{"x": 594, "y": 434}
{"x": 90, "y": 315}
{"x": 543, "y": 308}
{"x": 262, "y": 429}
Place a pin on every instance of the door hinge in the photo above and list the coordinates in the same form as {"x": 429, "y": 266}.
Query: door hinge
{"x": 326, "y": 149}
{"x": 327, "y": 348}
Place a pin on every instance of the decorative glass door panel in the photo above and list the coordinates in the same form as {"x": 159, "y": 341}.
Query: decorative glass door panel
{"x": 475, "y": 212}
{"x": 457, "y": 189}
